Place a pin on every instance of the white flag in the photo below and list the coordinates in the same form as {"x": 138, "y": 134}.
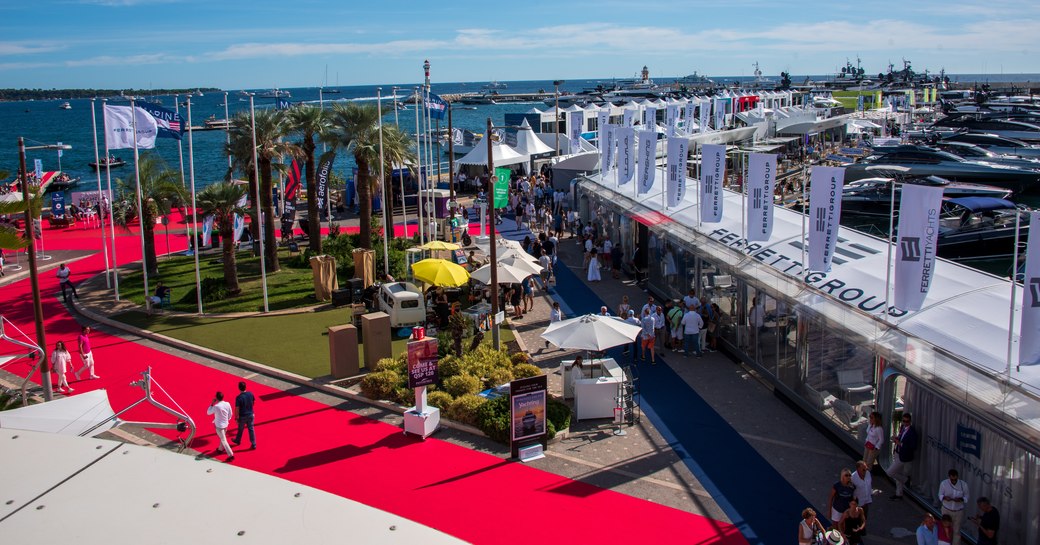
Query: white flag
{"x": 705, "y": 114}
{"x": 720, "y": 113}
{"x": 713, "y": 170}
{"x": 647, "y": 160}
{"x": 602, "y": 116}
{"x": 119, "y": 128}
{"x": 627, "y": 117}
{"x": 650, "y": 117}
{"x": 671, "y": 118}
{"x": 916, "y": 244}
{"x": 626, "y": 154}
{"x": 207, "y": 231}
{"x": 824, "y": 214}
{"x": 691, "y": 107}
{"x": 761, "y": 179}
{"x": 575, "y": 120}
{"x": 676, "y": 186}
{"x": 1029, "y": 336}
{"x": 611, "y": 136}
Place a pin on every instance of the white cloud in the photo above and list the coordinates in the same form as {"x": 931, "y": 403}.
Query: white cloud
{"x": 110, "y": 60}
{"x": 22, "y": 48}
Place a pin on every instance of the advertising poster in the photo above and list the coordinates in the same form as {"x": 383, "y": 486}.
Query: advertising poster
{"x": 501, "y": 190}
{"x": 422, "y": 362}
{"x": 527, "y": 402}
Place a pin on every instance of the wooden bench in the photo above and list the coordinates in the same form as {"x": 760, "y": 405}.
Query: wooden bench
{"x": 61, "y": 223}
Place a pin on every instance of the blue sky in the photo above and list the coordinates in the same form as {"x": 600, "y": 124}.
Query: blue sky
{"x": 259, "y": 44}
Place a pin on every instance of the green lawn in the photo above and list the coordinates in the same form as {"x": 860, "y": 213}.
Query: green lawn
{"x": 295, "y": 342}
{"x": 287, "y": 288}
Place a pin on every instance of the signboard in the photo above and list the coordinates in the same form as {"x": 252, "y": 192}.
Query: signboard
{"x": 422, "y": 362}
{"x": 58, "y": 203}
{"x": 38, "y": 168}
{"x": 527, "y": 410}
{"x": 501, "y": 180}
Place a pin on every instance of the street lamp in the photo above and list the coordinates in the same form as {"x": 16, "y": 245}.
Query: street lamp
{"x": 34, "y": 278}
{"x": 557, "y": 84}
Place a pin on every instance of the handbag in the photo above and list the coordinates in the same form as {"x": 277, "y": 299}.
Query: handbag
{"x": 711, "y": 327}
{"x": 870, "y": 446}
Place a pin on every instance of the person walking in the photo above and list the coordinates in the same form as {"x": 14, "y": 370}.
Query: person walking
{"x": 872, "y": 443}
{"x": 63, "y": 275}
{"x": 906, "y": 448}
{"x": 86, "y": 354}
{"x": 244, "y": 402}
{"x": 953, "y": 493}
{"x": 594, "y": 275}
{"x": 853, "y": 523}
{"x": 987, "y": 521}
{"x": 675, "y": 316}
{"x": 624, "y": 307}
{"x": 692, "y": 324}
{"x": 809, "y": 527}
{"x": 647, "y": 323}
{"x": 945, "y": 530}
{"x": 864, "y": 483}
{"x": 634, "y": 320}
{"x": 841, "y": 493}
{"x": 555, "y": 315}
{"x": 221, "y": 411}
{"x": 61, "y": 360}
{"x": 708, "y": 317}
{"x": 927, "y": 532}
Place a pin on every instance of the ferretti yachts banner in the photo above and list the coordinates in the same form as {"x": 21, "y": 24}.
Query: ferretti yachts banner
{"x": 627, "y": 117}
{"x": 761, "y": 179}
{"x": 119, "y": 128}
{"x": 601, "y": 126}
{"x": 611, "y": 138}
{"x": 713, "y": 169}
{"x": 650, "y": 117}
{"x": 671, "y": 118}
{"x": 824, "y": 213}
{"x": 626, "y": 139}
{"x": 704, "y": 108}
{"x": 575, "y": 120}
{"x": 647, "y": 160}
{"x": 720, "y": 113}
{"x": 916, "y": 244}
{"x": 1029, "y": 340}
{"x": 676, "y": 183}
{"x": 688, "y": 115}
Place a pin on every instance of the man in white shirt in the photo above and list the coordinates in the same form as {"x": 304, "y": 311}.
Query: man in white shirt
{"x": 864, "y": 483}
{"x": 650, "y": 306}
{"x": 221, "y": 411}
{"x": 692, "y": 324}
{"x": 63, "y": 279}
{"x": 647, "y": 335}
{"x": 691, "y": 301}
{"x": 953, "y": 493}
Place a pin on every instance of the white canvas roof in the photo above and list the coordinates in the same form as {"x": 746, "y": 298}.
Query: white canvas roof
{"x": 74, "y": 415}
{"x": 501, "y": 153}
{"x": 527, "y": 143}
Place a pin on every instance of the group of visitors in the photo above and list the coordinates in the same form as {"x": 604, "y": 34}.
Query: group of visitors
{"x": 61, "y": 362}
{"x": 686, "y": 325}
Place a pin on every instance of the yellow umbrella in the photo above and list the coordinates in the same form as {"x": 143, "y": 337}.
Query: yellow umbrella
{"x": 439, "y": 245}
{"x": 440, "y": 272}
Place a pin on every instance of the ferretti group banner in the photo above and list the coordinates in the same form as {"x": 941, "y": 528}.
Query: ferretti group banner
{"x": 916, "y": 244}
{"x": 626, "y": 154}
{"x": 688, "y": 115}
{"x": 647, "y": 160}
{"x": 601, "y": 127}
{"x": 824, "y": 214}
{"x": 119, "y": 128}
{"x": 720, "y": 113}
{"x": 627, "y": 117}
{"x": 608, "y": 157}
{"x": 713, "y": 170}
{"x": 650, "y": 117}
{"x": 676, "y": 184}
{"x": 704, "y": 108}
{"x": 671, "y": 118}
{"x": 1029, "y": 339}
{"x": 761, "y": 179}
{"x": 575, "y": 120}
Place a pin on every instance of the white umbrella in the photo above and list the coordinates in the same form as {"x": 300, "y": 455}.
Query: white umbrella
{"x": 591, "y": 332}
{"x": 507, "y": 274}
{"x": 529, "y": 266}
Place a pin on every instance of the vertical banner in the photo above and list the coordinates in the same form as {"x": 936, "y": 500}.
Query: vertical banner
{"x": 238, "y": 224}
{"x": 601, "y": 127}
{"x": 574, "y": 126}
{"x": 824, "y": 214}
{"x": 650, "y": 117}
{"x": 422, "y": 362}
{"x": 859, "y": 103}
{"x": 527, "y": 409}
{"x": 611, "y": 136}
{"x": 916, "y": 244}
{"x": 671, "y": 118}
{"x": 761, "y": 180}
{"x": 713, "y": 169}
{"x": 688, "y": 115}
{"x": 58, "y": 203}
{"x": 324, "y": 169}
{"x": 720, "y": 113}
{"x": 501, "y": 191}
{"x": 704, "y": 109}
{"x": 627, "y": 117}
{"x": 38, "y": 170}
{"x": 1029, "y": 337}
{"x": 647, "y": 160}
{"x": 207, "y": 231}
{"x": 676, "y": 186}
{"x": 626, "y": 154}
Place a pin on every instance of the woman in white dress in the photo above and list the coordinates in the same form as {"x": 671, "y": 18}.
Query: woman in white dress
{"x": 60, "y": 360}
{"x": 594, "y": 268}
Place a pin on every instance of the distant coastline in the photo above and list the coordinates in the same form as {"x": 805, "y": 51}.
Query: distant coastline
{"x": 15, "y": 95}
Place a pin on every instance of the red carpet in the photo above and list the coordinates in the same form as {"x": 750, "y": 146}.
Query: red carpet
{"x": 473, "y": 496}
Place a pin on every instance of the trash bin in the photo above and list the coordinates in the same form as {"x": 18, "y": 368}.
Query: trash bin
{"x": 214, "y": 241}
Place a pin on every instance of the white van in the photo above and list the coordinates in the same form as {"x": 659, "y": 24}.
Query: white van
{"x": 403, "y": 302}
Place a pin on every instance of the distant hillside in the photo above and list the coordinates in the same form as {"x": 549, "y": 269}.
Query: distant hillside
{"x": 9, "y": 95}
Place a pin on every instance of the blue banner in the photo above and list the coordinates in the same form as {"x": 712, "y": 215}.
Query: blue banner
{"x": 437, "y": 106}
{"x": 284, "y": 104}
{"x": 58, "y": 203}
{"x": 168, "y": 122}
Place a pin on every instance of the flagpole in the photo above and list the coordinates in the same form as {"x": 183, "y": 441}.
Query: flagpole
{"x": 888, "y": 260}
{"x": 101, "y": 209}
{"x": 805, "y": 214}
{"x": 180, "y": 146}
{"x": 1014, "y": 293}
{"x": 700, "y": 181}
{"x": 419, "y": 159}
{"x": 111, "y": 216}
{"x": 227, "y": 133}
{"x": 140, "y": 206}
{"x": 382, "y": 183}
{"x": 259, "y": 212}
{"x": 427, "y": 128}
{"x": 743, "y": 198}
{"x": 194, "y": 211}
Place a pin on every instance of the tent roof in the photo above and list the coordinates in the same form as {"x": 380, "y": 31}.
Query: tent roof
{"x": 83, "y": 413}
{"x": 528, "y": 143}
{"x": 501, "y": 153}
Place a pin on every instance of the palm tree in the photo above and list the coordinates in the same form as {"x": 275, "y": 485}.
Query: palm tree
{"x": 160, "y": 189}
{"x": 240, "y": 149}
{"x": 221, "y": 200}
{"x": 355, "y": 127}
{"x": 310, "y": 122}
{"x": 396, "y": 150}
{"x": 11, "y": 238}
{"x": 271, "y": 126}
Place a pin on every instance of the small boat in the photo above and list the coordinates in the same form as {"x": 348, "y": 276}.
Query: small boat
{"x": 62, "y": 182}
{"x": 65, "y": 106}
{"x": 212, "y": 123}
{"x": 275, "y": 93}
{"x": 111, "y": 162}
{"x": 973, "y": 228}
{"x": 198, "y": 93}
{"x": 494, "y": 85}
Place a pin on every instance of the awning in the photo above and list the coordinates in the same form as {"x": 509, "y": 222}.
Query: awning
{"x": 89, "y": 413}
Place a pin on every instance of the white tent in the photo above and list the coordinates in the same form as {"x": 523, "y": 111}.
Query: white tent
{"x": 501, "y": 153}
{"x": 528, "y": 143}
{"x": 89, "y": 413}
{"x": 534, "y": 110}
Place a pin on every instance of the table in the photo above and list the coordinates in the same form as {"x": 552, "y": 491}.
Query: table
{"x": 478, "y": 313}
{"x": 596, "y": 389}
